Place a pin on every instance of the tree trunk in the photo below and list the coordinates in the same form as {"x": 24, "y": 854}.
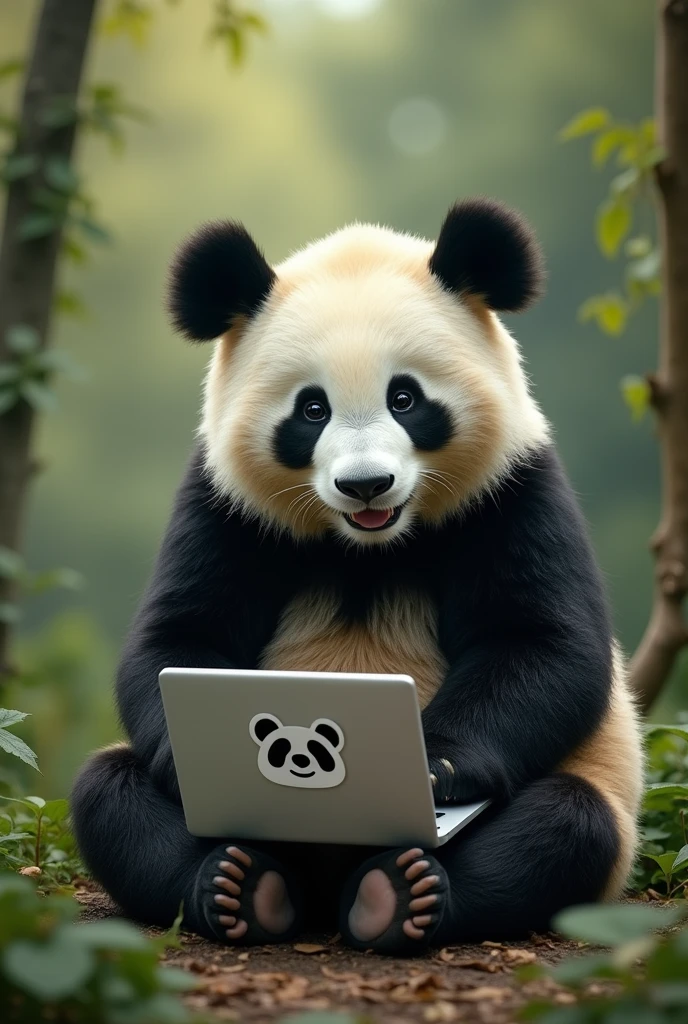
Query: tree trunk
{"x": 27, "y": 269}
{"x": 666, "y": 632}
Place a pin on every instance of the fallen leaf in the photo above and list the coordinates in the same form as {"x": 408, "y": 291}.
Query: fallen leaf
{"x": 439, "y": 1011}
{"x": 309, "y": 947}
{"x": 445, "y": 955}
{"x": 493, "y": 945}
{"x": 519, "y": 956}
{"x": 243, "y": 956}
{"x": 234, "y": 969}
{"x": 480, "y": 994}
{"x": 32, "y": 872}
{"x": 489, "y": 966}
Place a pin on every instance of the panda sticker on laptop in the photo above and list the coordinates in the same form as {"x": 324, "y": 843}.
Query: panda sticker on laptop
{"x": 307, "y": 757}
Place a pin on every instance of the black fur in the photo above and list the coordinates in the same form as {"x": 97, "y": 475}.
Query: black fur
{"x": 296, "y": 436}
{"x": 523, "y": 626}
{"x": 219, "y": 273}
{"x": 488, "y": 250}
{"x": 427, "y": 423}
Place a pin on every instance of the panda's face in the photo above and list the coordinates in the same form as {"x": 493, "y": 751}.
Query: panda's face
{"x": 364, "y": 385}
{"x": 299, "y": 756}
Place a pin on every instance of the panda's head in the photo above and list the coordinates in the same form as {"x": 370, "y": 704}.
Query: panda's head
{"x": 300, "y": 756}
{"x": 366, "y": 383}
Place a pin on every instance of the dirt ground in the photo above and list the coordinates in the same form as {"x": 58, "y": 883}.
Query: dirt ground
{"x": 460, "y": 983}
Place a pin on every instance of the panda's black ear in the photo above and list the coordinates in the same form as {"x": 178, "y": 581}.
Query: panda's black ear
{"x": 261, "y": 726}
{"x": 487, "y": 249}
{"x": 216, "y": 275}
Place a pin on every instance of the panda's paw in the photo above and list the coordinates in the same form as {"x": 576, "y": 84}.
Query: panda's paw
{"x": 246, "y": 897}
{"x": 395, "y": 902}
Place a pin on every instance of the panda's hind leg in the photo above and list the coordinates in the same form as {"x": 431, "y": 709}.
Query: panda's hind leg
{"x": 134, "y": 840}
{"x": 557, "y": 844}
{"x": 508, "y": 874}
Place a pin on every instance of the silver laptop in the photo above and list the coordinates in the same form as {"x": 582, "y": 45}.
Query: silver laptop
{"x": 320, "y": 757}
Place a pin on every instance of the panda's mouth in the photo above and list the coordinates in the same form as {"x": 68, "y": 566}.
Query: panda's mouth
{"x": 371, "y": 519}
{"x": 302, "y": 775}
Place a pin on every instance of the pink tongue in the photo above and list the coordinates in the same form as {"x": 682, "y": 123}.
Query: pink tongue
{"x": 370, "y": 518}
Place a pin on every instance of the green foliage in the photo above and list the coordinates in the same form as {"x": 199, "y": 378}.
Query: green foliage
{"x": 630, "y": 198}
{"x": 12, "y": 744}
{"x": 29, "y": 583}
{"x": 100, "y": 972}
{"x": 232, "y": 26}
{"x": 27, "y": 375}
{"x": 35, "y": 838}
{"x": 663, "y": 862}
{"x": 131, "y": 19}
{"x": 641, "y": 980}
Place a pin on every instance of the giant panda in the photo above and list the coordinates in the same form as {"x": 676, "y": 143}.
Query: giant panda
{"x": 375, "y": 489}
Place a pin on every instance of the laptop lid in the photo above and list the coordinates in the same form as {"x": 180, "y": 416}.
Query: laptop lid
{"x": 300, "y": 756}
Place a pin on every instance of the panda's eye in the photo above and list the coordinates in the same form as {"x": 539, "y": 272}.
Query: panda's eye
{"x": 402, "y": 401}
{"x": 316, "y": 412}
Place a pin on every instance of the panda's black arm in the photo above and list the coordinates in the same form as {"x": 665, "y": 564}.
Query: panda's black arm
{"x": 210, "y": 603}
{"x": 525, "y": 628}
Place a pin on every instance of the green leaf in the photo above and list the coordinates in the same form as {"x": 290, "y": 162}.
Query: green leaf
{"x": 605, "y": 143}
{"x": 610, "y": 312}
{"x": 70, "y": 304}
{"x": 655, "y": 155}
{"x": 65, "y": 578}
{"x": 22, "y": 339}
{"x": 59, "y": 112}
{"x": 11, "y": 744}
{"x": 95, "y": 232}
{"x": 9, "y": 68}
{"x": 55, "y": 360}
{"x": 8, "y": 399}
{"x": 38, "y": 395}
{"x": 614, "y": 220}
{"x": 60, "y": 174}
{"x": 636, "y": 394}
{"x": 577, "y": 969}
{"x": 11, "y": 566}
{"x": 9, "y": 373}
{"x": 8, "y": 717}
{"x": 9, "y": 612}
{"x": 674, "y": 730}
{"x": 681, "y": 859}
{"x": 652, "y": 835}
{"x": 657, "y": 793}
{"x": 18, "y": 166}
{"x": 110, "y": 935}
{"x": 56, "y": 810}
{"x": 665, "y": 861}
{"x": 36, "y": 801}
{"x": 638, "y": 247}
{"x": 586, "y": 123}
{"x": 624, "y": 184}
{"x": 38, "y": 225}
{"x": 49, "y": 970}
{"x": 175, "y": 980}
{"x": 14, "y": 837}
{"x": 609, "y": 925}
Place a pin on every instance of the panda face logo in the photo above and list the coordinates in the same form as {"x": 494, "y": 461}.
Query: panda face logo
{"x": 307, "y": 757}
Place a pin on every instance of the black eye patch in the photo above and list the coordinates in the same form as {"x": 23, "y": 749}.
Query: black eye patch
{"x": 296, "y": 437}
{"x": 427, "y": 423}
{"x": 321, "y": 755}
{"x": 278, "y": 752}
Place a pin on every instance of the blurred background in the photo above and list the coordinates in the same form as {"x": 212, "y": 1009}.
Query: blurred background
{"x": 380, "y": 110}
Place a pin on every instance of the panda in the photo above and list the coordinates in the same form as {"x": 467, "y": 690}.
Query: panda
{"x": 298, "y": 756}
{"x": 375, "y": 489}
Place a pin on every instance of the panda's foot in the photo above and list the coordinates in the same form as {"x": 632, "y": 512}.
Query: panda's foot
{"x": 395, "y": 903}
{"x": 246, "y": 897}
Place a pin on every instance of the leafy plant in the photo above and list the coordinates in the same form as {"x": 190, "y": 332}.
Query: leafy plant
{"x": 35, "y": 839}
{"x": 664, "y": 855}
{"x": 625, "y": 222}
{"x": 100, "y": 972}
{"x": 12, "y": 744}
{"x": 641, "y": 980}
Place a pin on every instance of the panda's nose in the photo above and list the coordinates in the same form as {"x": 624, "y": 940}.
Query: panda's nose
{"x": 301, "y": 760}
{"x": 365, "y": 489}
